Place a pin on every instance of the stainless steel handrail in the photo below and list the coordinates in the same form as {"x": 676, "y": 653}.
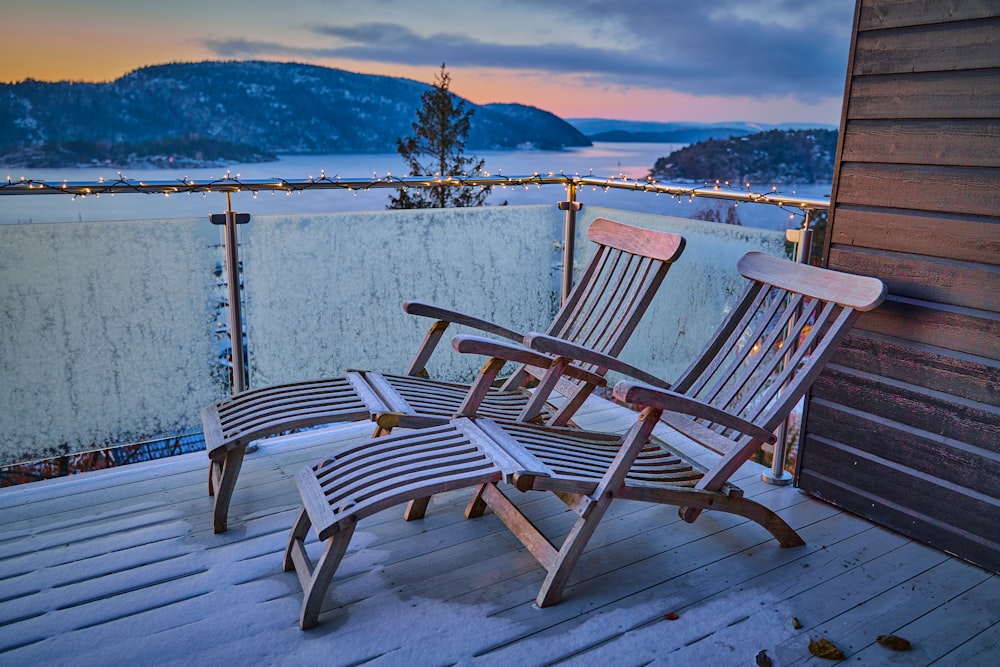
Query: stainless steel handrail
{"x": 235, "y": 184}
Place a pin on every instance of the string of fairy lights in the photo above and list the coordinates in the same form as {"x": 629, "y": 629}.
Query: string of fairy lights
{"x": 794, "y": 204}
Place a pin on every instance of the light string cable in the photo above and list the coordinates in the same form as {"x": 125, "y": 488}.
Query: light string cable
{"x": 791, "y": 203}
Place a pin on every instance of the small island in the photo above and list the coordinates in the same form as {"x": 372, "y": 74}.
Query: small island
{"x": 775, "y": 156}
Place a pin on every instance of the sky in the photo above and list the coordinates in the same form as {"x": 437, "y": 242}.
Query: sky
{"x": 766, "y": 61}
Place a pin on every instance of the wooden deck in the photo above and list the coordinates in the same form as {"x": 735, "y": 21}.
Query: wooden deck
{"x": 122, "y": 567}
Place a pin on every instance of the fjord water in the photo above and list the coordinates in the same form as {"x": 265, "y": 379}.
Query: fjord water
{"x": 633, "y": 160}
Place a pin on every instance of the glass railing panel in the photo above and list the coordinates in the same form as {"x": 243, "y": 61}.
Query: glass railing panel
{"x": 108, "y": 333}
{"x": 324, "y": 292}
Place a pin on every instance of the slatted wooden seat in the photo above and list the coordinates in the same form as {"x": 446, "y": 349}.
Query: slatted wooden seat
{"x": 602, "y": 311}
{"x": 342, "y": 490}
{"x": 762, "y": 359}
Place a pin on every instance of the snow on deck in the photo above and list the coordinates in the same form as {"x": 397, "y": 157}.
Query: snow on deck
{"x": 121, "y": 567}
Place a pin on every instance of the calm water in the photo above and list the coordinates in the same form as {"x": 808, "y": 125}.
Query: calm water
{"x": 602, "y": 159}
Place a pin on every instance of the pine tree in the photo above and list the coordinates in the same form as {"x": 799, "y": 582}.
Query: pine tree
{"x": 440, "y": 132}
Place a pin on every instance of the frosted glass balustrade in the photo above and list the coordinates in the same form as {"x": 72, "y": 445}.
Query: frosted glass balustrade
{"x": 109, "y": 330}
{"x": 324, "y": 292}
{"x": 107, "y": 333}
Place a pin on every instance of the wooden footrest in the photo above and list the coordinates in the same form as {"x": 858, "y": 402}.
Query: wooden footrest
{"x": 367, "y": 478}
{"x": 261, "y": 412}
{"x": 387, "y": 471}
{"x": 234, "y": 423}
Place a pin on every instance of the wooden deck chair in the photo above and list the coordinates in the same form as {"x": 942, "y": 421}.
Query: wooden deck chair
{"x": 601, "y": 312}
{"x": 762, "y": 359}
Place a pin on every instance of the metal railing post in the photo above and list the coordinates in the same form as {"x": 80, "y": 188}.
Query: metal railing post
{"x": 778, "y": 475}
{"x": 229, "y": 220}
{"x": 571, "y": 206}
{"x": 804, "y": 249}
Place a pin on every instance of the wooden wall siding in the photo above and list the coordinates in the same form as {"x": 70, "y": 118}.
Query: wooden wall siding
{"x": 928, "y": 48}
{"x": 929, "y": 96}
{"x": 965, "y": 238}
{"x": 946, "y": 281}
{"x": 914, "y": 449}
{"x": 949, "y": 327}
{"x": 924, "y": 365}
{"x": 904, "y": 426}
{"x": 966, "y": 143}
{"x": 909, "y": 13}
{"x": 961, "y": 190}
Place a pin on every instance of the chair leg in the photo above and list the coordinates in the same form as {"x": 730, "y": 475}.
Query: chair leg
{"x": 692, "y": 503}
{"x": 296, "y": 539}
{"x": 476, "y": 506}
{"x": 315, "y": 580}
{"x": 416, "y": 508}
{"x": 313, "y": 596}
{"x": 572, "y": 547}
{"x": 766, "y": 518}
{"x": 223, "y": 479}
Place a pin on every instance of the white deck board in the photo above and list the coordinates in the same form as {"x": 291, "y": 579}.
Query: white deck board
{"x": 121, "y": 567}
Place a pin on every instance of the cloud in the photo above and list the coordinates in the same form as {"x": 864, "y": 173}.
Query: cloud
{"x": 757, "y": 48}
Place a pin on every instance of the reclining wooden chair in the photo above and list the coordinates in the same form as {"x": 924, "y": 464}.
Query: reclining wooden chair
{"x": 763, "y": 358}
{"x": 601, "y": 312}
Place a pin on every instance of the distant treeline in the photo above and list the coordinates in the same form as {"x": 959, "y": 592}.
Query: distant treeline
{"x": 775, "y": 156}
{"x": 678, "y": 136}
{"x": 188, "y": 151}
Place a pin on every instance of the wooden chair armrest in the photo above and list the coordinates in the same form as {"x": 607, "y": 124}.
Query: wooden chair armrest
{"x": 557, "y": 346}
{"x": 653, "y": 397}
{"x": 442, "y": 318}
{"x": 456, "y": 317}
{"x": 498, "y": 349}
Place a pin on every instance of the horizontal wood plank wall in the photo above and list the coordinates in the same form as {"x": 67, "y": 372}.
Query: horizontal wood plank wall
{"x": 904, "y": 426}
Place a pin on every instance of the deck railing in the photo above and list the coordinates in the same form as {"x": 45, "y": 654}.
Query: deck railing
{"x": 100, "y": 348}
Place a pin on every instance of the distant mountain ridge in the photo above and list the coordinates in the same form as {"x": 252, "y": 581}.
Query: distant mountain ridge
{"x": 263, "y": 107}
{"x": 606, "y": 129}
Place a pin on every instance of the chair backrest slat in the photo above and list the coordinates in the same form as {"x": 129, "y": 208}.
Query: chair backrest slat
{"x": 609, "y": 326}
{"x": 608, "y": 300}
{"x": 740, "y": 357}
{"x": 582, "y": 292}
{"x": 772, "y": 346}
{"x": 783, "y": 372}
{"x": 728, "y": 335}
{"x": 595, "y": 297}
{"x": 829, "y": 337}
{"x": 629, "y": 302}
{"x": 616, "y": 287}
{"x": 616, "y": 292}
{"x": 782, "y": 354}
{"x": 770, "y": 356}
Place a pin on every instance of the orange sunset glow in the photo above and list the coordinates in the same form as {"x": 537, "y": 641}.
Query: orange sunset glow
{"x": 674, "y": 62}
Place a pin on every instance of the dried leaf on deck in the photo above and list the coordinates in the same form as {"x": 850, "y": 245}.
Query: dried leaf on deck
{"x": 762, "y": 659}
{"x": 796, "y": 623}
{"x": 893, "y": 642}
{"x": 671, "y": 616}
{"x": 824, "y": 648}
